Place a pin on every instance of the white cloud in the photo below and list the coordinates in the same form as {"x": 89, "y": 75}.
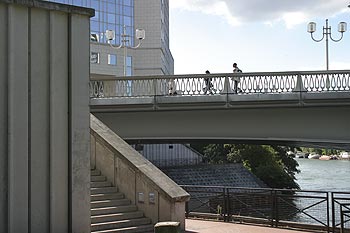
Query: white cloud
{"x": 292, "y": 12}
{"x": 215, "y": 7}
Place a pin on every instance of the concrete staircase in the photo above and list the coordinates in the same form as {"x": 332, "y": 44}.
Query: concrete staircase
{"x": 111, "y": 212}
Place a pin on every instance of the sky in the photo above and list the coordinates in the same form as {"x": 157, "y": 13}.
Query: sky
{"x": 259, "y": 35}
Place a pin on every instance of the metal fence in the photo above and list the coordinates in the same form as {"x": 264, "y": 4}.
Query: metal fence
{"x": 220, "y": 84}
{"x": 315, "y": 210}
{"x": 340, "y": 211}
{"x": 345, "y": 218}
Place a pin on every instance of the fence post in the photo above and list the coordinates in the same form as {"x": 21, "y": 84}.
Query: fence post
{"x": 225, "y": 204}
{"x": 342, "y": 228}
{"x": 333, "y": 212}
{"x": 272, "y": 207}
{"x": 275, "y": 200}
{"x": 327, "y": 195}
{"x": 229, "y": 213}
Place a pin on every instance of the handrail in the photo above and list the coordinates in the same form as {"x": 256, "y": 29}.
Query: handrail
{"x": 279, "y": 73}
{"x": 162, "y": 183}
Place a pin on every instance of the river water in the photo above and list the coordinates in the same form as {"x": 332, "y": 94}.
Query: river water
{"x": 331, "y": 175}
{"x": 318, "y": 175}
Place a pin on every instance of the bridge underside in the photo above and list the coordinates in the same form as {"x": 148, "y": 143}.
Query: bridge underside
{"x": 321, "y": 126}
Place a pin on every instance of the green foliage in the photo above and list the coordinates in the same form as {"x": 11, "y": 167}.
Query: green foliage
{"x": 321, "y": 151}
{"x": 271, "y": 164}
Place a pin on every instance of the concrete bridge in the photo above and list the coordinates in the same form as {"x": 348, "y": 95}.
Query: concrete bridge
{"x": 296, "y": 108}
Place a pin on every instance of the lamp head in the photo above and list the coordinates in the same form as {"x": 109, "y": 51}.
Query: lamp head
{"x": 140, "y": 34}
{"x": 342, "y": 27}
{"x": 110, "y": 34}
{"x": 311, "y": 27}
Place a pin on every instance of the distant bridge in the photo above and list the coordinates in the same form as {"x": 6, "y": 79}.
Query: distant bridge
{"x": 297, "y": 108}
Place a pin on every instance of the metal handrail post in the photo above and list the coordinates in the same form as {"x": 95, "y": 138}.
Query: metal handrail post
{"x": 327, "y": 195}
{"x": 225, "y": 204}
{"x": 333, "y": 212}
{"x": 229, "y": 213}
{"x": 341, "y": 220}
{"x": 272, "y": 207}
{"x": 276, "y": 208}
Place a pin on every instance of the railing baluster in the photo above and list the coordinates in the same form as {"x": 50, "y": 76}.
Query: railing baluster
{"x": 222, "y": 84}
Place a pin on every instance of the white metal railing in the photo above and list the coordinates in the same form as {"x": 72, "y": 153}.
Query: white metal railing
{"x": 221, "y": 84}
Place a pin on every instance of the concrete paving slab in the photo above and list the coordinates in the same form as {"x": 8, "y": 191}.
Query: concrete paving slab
{"x": 200, "y": 226}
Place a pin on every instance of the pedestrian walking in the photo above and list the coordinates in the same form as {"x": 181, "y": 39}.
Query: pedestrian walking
{"x": 208, "y": 85}
{"x": 236, "y": 79}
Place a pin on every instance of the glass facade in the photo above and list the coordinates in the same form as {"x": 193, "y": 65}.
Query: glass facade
{"x": 109, "y": 15}
{"x": 112, "y": 59}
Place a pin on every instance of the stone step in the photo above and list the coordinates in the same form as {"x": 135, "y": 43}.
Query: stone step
{"x": 116, "y": 217}
{"x": 98, "y": 178}
{"x": 120, "y": 224}
{"x": 106, "y": 196}
{"x": 98, "y": 184}
{"x": 95, "y": 173}
{"x": 113, "y": 210}
{"x": 101, "y": 190}
{"x": 136, "y": 229}
{"x": 109, "y": 203}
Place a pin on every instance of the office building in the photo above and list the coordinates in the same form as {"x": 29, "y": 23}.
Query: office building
{"x": 153, "y": 57}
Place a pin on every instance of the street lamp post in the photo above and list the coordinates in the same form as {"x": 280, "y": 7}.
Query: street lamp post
{"x": 327, "y": 33}
{"x": 125, "y": 42}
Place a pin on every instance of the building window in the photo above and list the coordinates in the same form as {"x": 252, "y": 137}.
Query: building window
{"x": 129, "y": 66}
{"x": 109, "y": 14}
{"x": 94, "y": 58}
{"x": 112, "y": 59}
{"x": 94, "y": 37}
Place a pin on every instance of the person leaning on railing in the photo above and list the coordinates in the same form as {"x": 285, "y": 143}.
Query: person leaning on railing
{"x": 235, "y": 79}
{"x": 171, "y": 85}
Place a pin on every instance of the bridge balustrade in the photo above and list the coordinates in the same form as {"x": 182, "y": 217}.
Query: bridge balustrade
{"x": 221, "y": 84}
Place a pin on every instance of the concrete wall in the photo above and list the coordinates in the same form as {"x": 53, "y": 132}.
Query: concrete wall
{"x": 44, "y": 117}
{"x": 160, "y": 198}
{"x": 153, "y": 57}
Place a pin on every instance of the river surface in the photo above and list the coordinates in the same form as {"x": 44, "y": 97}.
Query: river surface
{"x": 318, "y": 175}
{"x": 331, "y": 175}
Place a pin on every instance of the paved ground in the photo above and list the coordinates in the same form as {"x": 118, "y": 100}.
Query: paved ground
{"x": 198, "y": 226}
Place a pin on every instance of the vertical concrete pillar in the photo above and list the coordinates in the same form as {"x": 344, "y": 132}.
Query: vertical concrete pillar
{"x": 80, "y": 124}
{"x": 3, "y": 120}
{"x": 39, "y": 120}
{"x": 18, "y": 145}
{"x": 59, "y": 127}
{"x": 44, "y": 117}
